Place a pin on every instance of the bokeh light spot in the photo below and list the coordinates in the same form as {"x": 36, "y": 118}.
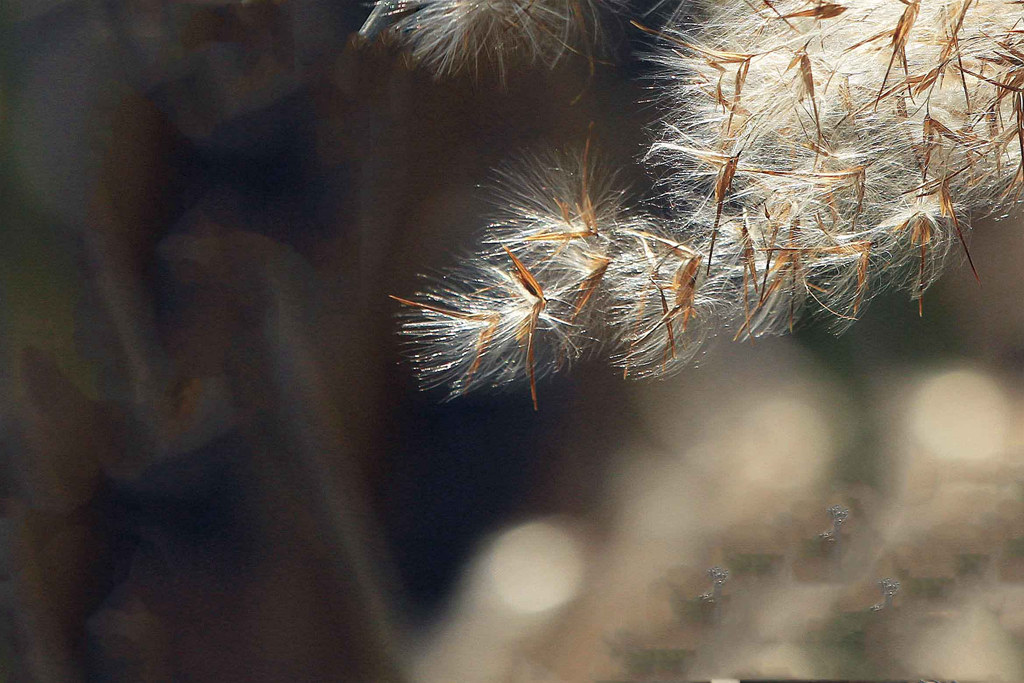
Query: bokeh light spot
{"x": 960, "y": 415}
{"x": 535, "y": 567}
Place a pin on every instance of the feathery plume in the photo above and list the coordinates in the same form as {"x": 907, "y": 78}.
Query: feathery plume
{"x": 818, "y": 152}
{"x": 849, "y": 140}
{"x": 450, "y": 36}
{"x": 565, "y": 265}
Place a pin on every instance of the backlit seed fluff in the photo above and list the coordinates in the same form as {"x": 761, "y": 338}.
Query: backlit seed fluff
{"x": 832, "y": 149}
{"x": 452, "y": 36}
{"x": 565, "y": 267}
{"x": 817, "y": 153}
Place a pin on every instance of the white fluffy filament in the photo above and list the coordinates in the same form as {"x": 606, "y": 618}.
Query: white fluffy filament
{"x": 451, "y": 36}
{"x": 818, "y": 152}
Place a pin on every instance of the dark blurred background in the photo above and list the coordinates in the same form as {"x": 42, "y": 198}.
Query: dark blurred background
{"x": 218, "y": 468}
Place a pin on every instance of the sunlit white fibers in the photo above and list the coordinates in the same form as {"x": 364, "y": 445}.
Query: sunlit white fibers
{"x": 810, "y": 156}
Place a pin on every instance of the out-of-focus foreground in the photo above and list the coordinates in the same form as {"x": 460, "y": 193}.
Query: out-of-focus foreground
{"x": 218, "y": 468}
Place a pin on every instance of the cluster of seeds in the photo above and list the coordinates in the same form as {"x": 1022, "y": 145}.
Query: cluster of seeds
{"x": 452, "y": 36}
{"x": 817, "y": 153}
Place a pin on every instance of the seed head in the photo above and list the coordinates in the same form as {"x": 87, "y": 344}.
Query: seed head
{"x": 818, "y": 152}
{"x": 451, "y": 36}
{"x": 849, "y": 140}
